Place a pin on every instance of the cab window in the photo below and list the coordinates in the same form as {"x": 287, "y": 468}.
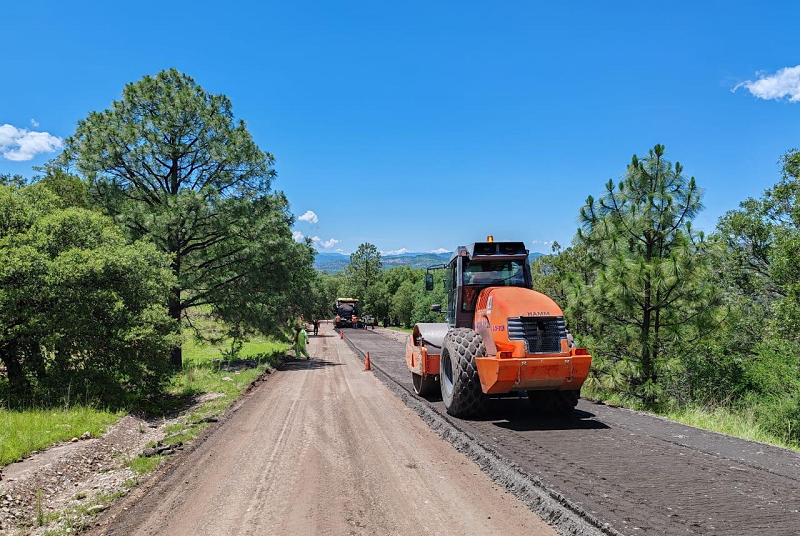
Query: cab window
{"x": 481, "y": 274}
{"x": 494, "y": 274}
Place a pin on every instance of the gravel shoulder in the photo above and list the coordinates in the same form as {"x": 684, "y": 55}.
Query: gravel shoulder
{"x": 630, "y": 472}
{"x": 323, "y": 448}
{"x": 72, "y": 474}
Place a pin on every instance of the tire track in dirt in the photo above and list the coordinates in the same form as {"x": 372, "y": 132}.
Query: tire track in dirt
{"x": 322, "y": 448}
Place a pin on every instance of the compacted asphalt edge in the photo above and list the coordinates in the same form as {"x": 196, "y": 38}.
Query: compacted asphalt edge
{"x": 617, "y": 471}
{"x": 566, "y": 517}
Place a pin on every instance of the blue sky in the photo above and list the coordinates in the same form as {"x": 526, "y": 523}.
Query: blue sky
{"x": 424, "y": 125}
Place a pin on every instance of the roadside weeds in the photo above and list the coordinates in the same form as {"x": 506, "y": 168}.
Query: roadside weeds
{"x": 71, "y": 498}
{"x": 718, "y": 419}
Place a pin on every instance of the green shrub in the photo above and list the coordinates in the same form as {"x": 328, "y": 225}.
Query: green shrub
{"x": 778, "y": 415}
{"x": 773, "y": 371}
{"x": 82, "y": 312}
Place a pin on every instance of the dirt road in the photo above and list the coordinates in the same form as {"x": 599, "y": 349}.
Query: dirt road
{"x": 324, "y": 448}
{"x": 634, "y": 473}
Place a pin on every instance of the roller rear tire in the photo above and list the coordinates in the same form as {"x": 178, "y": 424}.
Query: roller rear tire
{"x": 460, "y": 385}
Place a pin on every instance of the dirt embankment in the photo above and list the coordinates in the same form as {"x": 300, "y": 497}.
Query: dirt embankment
{"x": 67, "y": 485}
{"x": 71, "y": 474}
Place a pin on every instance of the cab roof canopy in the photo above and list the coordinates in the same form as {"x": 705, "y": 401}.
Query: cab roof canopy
{"x": 346, "y": 299}
{"x": 491, "y": 249}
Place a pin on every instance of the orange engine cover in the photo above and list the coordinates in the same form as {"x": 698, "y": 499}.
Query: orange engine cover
{"x": 511, "y": 363}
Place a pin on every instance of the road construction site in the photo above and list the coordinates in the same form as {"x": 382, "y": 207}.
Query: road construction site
{"x": 611, "y": 470}
{"x": 324, "y": 447}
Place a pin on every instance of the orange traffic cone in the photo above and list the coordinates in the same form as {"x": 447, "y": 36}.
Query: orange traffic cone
{"x": 366, "y": 363}
{"x": 341, "y": 334}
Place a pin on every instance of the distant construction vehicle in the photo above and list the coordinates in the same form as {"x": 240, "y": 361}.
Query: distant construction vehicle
{"x": 500, "y": 336}
{"x": 346, "y": 311}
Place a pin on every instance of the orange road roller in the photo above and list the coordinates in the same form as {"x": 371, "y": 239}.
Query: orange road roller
{"x": 500, "y": 336}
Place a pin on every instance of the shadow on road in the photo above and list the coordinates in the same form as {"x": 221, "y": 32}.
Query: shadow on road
{"x": 549, "y": 423}
{"x": 517, "y": 414}
{"x": 303, "y": 364}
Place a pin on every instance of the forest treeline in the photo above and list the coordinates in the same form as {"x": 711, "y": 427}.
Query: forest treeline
{"x": 396, "y": 293}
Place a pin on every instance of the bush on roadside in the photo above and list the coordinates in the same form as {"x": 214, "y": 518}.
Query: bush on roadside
{"x": 82, "y": 312}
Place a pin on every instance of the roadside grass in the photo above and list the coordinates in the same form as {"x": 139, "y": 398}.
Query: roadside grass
{"x": 25, "y": 431}
{"x": 76, "y": 518}
{"x": 730, "y": 421}
{"x": 142, "y": 465}
{"x": 736, "y": 423}
{"x": 208, "y": 370}
{"x": 213, "y": 376}
{"x": 404, "y": 330}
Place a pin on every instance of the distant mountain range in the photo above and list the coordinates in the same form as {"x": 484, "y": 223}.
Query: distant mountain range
{"x": 336, "y": 262}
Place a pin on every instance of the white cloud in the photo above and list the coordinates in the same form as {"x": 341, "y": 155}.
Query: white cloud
{"x": 21, "y": 144}
{"x": 34, "y": 122}
{"x": 785, "y": 83}
{"x": 317, "y": 241}
{"x": 396, "y": 251}
{"x": 440, "y": 250}
{"x": 324, "y": 244}
{"x": 543, "y": 242}
{"x": 309, "y": 216}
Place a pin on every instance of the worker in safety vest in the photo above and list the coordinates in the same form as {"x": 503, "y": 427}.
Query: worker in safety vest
{"x": 300, "y": 341}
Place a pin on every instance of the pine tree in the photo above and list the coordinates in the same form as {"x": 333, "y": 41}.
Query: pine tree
{"x": 651, "y": 296}
{"x": 171, "y": 164}
{"x": 364, "y": 269}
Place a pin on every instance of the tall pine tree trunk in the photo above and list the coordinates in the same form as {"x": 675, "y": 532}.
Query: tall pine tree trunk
{"x": 17, "y": 381}
{"x": 645, "y": 333}
{"x": 176, "y": 355}
{"x": 656, "y": 327}
{"x": 647, "y": 364}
